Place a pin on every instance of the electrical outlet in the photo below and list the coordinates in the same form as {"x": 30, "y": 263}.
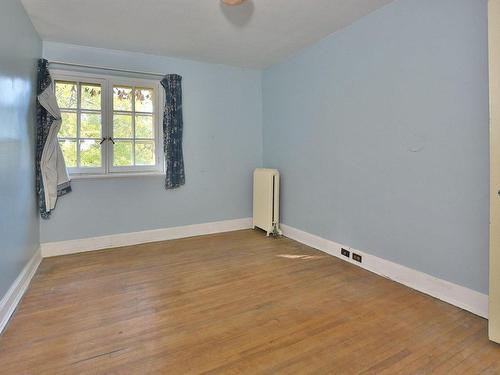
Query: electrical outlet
{"x": 357, "y": 257}
{"x": 345, "y": 253}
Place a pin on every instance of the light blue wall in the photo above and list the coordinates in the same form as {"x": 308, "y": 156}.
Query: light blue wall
{"x": 20, "y": 47}
{"x": 380, "y": 132}
{"x": 381, "y": 135}
{"x": 222, "y": 145}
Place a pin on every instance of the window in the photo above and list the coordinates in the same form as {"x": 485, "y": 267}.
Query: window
{"x": 81, "y": 130}
{"x": 133, "y": 127}
{"x": 109, "y": 125}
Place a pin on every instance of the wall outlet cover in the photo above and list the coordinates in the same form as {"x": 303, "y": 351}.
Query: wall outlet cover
{"x": 357, "y": 257}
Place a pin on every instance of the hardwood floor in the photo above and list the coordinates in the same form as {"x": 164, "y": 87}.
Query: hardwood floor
{"x": 233, "y": 303}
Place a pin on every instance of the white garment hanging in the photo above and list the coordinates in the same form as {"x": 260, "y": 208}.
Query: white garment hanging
{"x": 52, "y": 165}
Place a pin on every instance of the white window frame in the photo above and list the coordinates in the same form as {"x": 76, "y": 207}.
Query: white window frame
{"x": 107, "y": 82}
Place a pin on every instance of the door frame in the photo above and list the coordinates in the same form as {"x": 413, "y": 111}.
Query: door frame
{"x": 494, "y": 90}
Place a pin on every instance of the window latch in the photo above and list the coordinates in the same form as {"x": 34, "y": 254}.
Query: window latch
{"x": 106, "y": 139}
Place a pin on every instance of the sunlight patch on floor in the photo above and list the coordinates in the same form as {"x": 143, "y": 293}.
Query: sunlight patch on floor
{"x": 298, "y": 256}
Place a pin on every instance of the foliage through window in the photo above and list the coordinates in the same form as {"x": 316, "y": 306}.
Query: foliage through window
{"x": 81, "y": 129}
{"x": 133, "y": 126}
{"x": 96, "y": 140}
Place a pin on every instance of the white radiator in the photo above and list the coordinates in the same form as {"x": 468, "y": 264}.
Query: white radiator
{"x": 266, "y": 200}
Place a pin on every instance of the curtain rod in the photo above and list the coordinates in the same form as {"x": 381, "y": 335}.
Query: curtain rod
{"x": 106, "y": 68}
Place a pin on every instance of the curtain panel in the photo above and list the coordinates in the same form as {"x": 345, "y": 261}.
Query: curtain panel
{"x": 172, "y": 131}
{"x": 52, "y": 178}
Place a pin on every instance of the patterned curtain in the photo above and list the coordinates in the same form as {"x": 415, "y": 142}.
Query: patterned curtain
{"x": 51, "y": 176}
{"x": 172, "y": 131}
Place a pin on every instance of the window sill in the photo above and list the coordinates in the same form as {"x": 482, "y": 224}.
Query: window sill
{"x": 113, "y": 175}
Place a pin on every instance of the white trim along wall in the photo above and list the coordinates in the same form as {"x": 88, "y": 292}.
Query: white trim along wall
{"x": 10, "y": 300}
{"x": 457, "y": 295}
{"x": 446, "y": 291}
{"x": 51, "y": 249}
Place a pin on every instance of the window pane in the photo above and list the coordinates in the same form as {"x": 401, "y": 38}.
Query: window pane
{"x": 145, "y": 153}
{"x": 68, "y": 126}
{"x": 91, "y": 96}
{"x": 122, "y": 126}
{"x": 144, "y": 127}
{"x": 90, "y": 125}
{"x": 122, "y": 98}
{"x": 90, "y": 153}
{"x": 122, "y": 154}
{"x": 66, "y": 94}
{"x": 143, "y": 100}
{"x": 69, "y": 152}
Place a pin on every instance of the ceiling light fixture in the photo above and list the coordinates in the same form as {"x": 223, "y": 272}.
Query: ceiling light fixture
{"x": 233, "y": 2}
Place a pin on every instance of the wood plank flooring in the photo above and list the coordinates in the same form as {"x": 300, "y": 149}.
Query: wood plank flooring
{"x": 233, "y": 303}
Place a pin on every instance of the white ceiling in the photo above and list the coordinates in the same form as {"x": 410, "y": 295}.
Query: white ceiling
{"x": 255, "y": 35}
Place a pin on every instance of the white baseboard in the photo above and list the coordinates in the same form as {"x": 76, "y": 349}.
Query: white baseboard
{"x": 50, "y": 249}
{"x": 446, "y": 291}
{"x": 465, "y": 298}
{"x": 9, "y": 301}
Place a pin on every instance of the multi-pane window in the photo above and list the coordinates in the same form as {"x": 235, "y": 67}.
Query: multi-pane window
{"x": 133, "y": 126}
{"x": 108, "y": 125}
{"x": 81, "y": 130}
